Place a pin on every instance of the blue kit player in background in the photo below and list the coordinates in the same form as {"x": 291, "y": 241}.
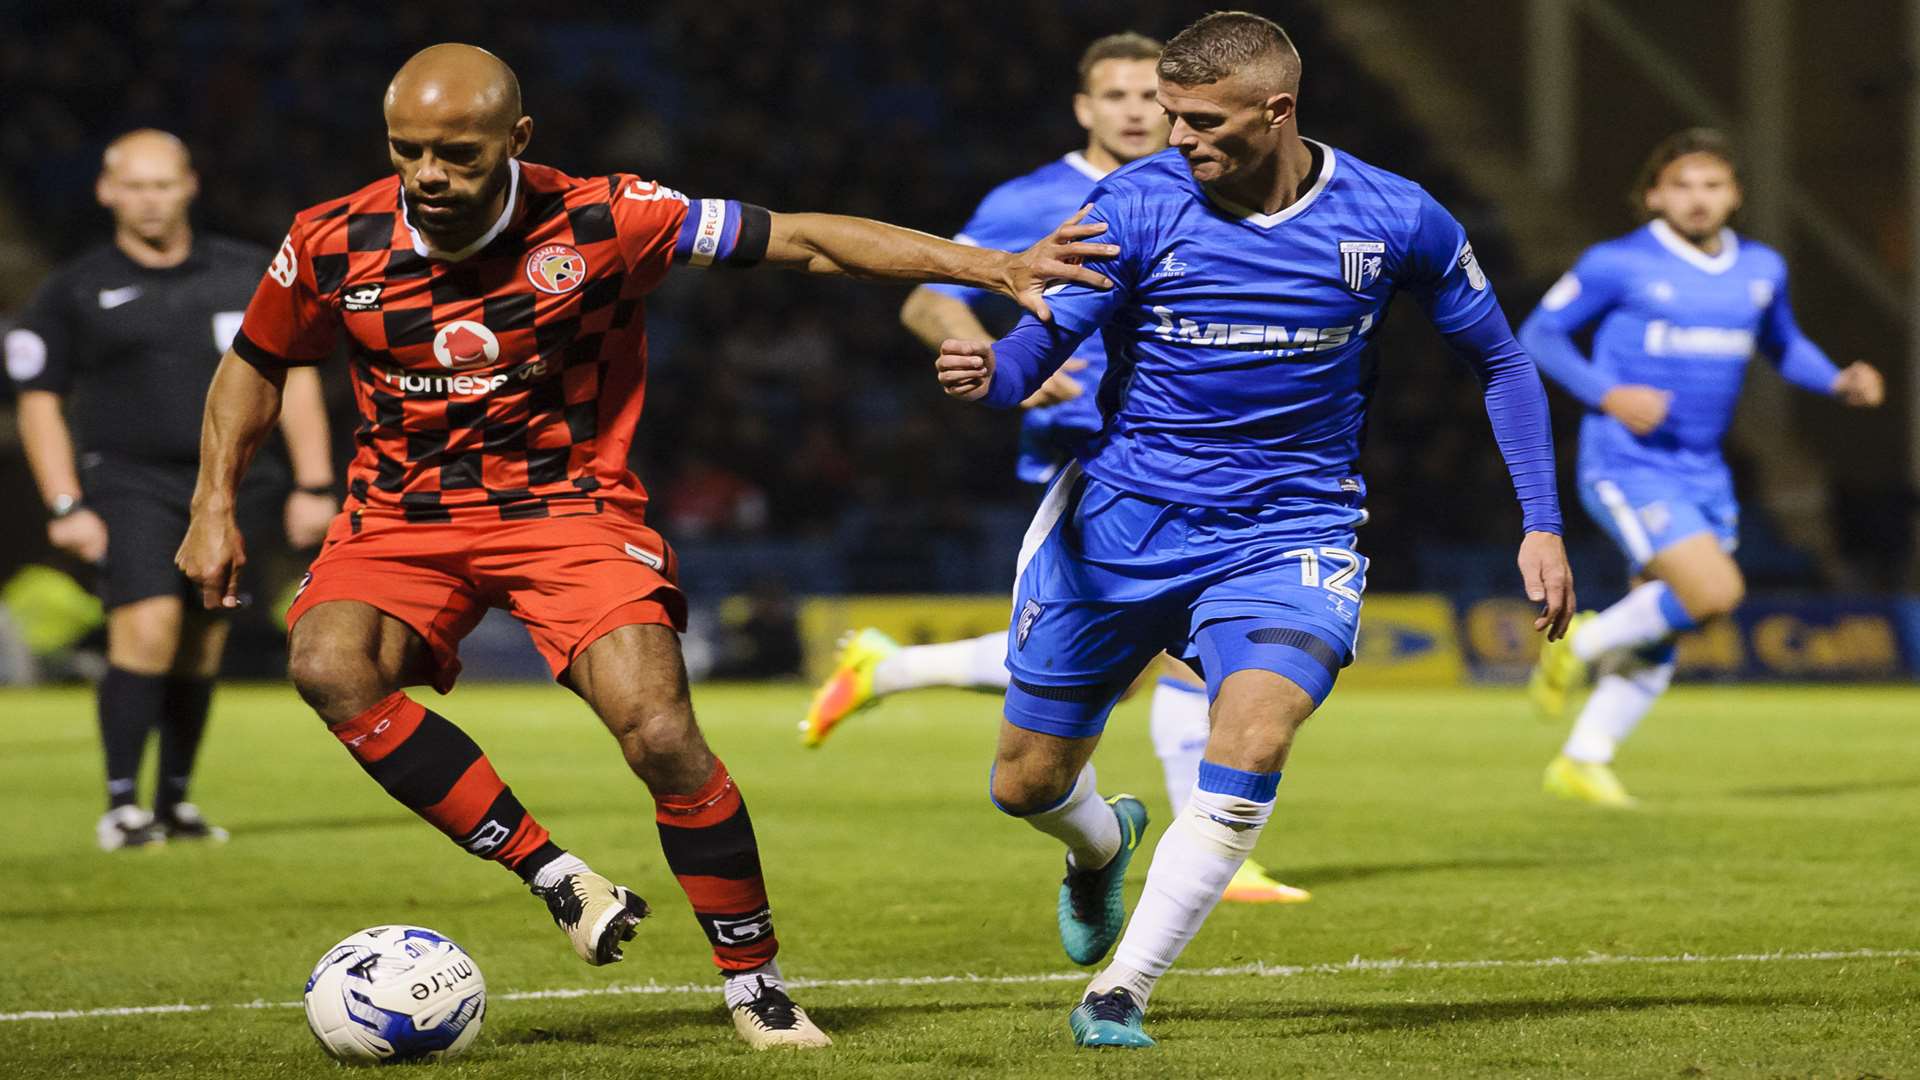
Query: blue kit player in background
{"x": 1677, "y": 307}
{"x": 1214, "y": 515}
{"x": 1116, "y": 105}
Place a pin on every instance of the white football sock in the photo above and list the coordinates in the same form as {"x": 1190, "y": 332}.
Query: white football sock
{"x": 1633, "y": 621}
{"x": 1620, "y": 698}
{"x": 976, "y": 664}
{"x": 1083, "y": 822}
{"x": 743, "y": 986}
{"x": 1196, "y": 858}
{"x": 1179, "y": 724}
{"x": 549, "y": 875}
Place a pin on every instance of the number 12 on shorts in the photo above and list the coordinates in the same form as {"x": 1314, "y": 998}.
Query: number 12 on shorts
{"x": 1342, "y": 565}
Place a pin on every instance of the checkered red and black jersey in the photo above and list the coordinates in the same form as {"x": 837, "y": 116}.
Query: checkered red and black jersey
{"x": 504, "y": 384}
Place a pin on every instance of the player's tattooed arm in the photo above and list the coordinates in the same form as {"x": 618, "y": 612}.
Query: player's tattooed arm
{"x": 863, "y": 248}
{"x": 242, "y": 404}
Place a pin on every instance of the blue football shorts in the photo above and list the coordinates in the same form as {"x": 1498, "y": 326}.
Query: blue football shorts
{"x": 1109, "y": 579}
{"x": 1647, "y": 512}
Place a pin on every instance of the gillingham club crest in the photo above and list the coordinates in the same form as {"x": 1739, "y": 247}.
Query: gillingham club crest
{"x": 1360, "y": 262}
{"x": 556, "y": 269}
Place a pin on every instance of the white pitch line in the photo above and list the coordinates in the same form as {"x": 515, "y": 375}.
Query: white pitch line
{"x": 1256, "y": 970}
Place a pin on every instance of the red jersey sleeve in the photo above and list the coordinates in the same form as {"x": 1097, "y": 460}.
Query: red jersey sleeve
{"x": 647, "y": 217}
{"x": 659, "y": 227}
{"x": 289, "y": 322}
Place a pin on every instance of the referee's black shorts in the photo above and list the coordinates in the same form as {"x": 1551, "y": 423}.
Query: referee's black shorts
{"x": 145, "y": 506}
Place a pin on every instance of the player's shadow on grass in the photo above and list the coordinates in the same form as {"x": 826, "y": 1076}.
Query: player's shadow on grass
{"x": 1392, "y": 1015}
{"x": 1815, "y": 791}
{"x": 694, "y": 1026}
{"x": 246, "y": 829}
{"x": 1312, "y": 876}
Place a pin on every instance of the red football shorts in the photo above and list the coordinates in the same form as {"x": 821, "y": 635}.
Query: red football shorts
{"x": 568, "y": 579}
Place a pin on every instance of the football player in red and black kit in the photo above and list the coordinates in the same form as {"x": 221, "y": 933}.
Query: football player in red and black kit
{"x": 493, "y": 311}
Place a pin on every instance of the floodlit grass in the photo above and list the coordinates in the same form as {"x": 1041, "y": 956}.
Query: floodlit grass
{"x": 1776, "y": 821}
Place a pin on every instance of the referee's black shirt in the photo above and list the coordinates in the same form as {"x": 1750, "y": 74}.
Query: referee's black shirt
{"x": 133, "y": 349}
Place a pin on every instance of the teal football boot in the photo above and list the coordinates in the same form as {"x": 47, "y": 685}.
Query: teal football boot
{"x": 1109, "y": 1019}
{"x": 1093, "y": 903}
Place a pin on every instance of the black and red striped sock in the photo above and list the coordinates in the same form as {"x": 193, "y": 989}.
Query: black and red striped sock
{"x": 422, "y": 759}
{"x": 708, "y": 841}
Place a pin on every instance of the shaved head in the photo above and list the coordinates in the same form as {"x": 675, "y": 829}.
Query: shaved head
{"x": 146, "y": 147}
{"x": 454, "y": 126}
{"x": 454, "y": 80}
{"x": 147, "y": 182}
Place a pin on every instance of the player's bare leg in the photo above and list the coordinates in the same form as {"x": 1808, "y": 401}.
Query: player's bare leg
{"x": 1255, "y": 717}
{"x": 349, "y": 661}
{"x": 1179, "y": 723}
{"x": 635, "y": 679}
{"x": 1048, "y": 781}
{"x": 1686, "y": 584}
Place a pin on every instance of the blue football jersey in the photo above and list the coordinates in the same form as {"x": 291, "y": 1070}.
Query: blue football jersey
{"x": 1667, "y": 315}
{"x": 1013, "y": 217}
{"x": 1240, "y": 353}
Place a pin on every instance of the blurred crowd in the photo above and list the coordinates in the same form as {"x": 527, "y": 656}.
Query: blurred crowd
{"x": 780, "y": 408}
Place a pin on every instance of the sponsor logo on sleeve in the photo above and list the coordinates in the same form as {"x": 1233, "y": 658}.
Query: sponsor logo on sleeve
{"x": 648, "y": 191}
{"x": 1471, "y": 265}
{"x": 285, "y": 265}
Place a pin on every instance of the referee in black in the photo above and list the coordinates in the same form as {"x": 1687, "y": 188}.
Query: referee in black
{"x": 124, "y": 340}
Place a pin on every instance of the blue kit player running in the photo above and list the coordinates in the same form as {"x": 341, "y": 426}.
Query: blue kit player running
{"x": 1116, "y": 105}
{"x": 1214, "y": 514}
{"x": 1677, "y": 307}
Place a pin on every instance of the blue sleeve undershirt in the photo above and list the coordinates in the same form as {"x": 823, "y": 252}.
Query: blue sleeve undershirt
{"x": 1517, "y": 406}
{"x": 1800, "y": 361}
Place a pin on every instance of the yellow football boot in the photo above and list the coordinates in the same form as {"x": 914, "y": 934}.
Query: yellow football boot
{"x": 1587, "y": 782}
{"x": 1251, "y": 885}
{"x": 850, "y": 688}
{"x": 1558, "y": 672}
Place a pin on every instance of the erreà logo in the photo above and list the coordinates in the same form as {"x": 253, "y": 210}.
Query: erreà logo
{"x": 556, "y": 269}
{"x": 463, "y": 343}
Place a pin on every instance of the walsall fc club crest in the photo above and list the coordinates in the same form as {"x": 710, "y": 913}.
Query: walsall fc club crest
{"x": 556, "y": 269}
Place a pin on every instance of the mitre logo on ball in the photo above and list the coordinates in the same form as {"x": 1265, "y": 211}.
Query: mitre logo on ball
{"x": 464, "y": 344}
{"x": 556, "y": 269}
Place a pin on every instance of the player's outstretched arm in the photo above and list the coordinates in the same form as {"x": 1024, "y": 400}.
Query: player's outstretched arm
{"x": 863, "y": 248}
{"x": 242, "y": 405}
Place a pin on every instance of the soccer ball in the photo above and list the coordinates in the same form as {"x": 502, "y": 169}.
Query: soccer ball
{"x": 395, "y": 993}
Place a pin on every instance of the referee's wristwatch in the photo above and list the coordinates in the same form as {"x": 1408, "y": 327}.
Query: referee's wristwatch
{"x": 64, "y": 506}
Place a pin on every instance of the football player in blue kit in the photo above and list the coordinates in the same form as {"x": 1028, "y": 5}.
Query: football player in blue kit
{"x": 1116, "y": 105}
{"x": 1213, "y": 516}
{"x": 1677, "y": 307}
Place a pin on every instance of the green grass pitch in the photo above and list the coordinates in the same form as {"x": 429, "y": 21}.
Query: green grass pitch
{"x": 1463, "y": 925}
